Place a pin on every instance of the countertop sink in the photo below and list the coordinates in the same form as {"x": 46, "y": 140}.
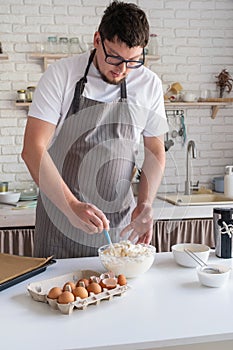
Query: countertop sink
{"x": 196, "y": 199}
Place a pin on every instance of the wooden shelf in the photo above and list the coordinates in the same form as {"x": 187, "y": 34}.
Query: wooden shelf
{"x": 3, "y": 56}
{"x": 179, "y": 105}
{"x": 150, "y": 58}
{"x": 62, "y": 55}
{"x": 172, "y": 105}
{"x": 48, "y": 57}
{"x": 54, "y": 56}
{"x": 22, "y": 104}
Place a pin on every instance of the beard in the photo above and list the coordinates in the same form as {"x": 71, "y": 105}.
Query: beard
{"x": 105, "y": 78}
{"x": 113, "y": 82}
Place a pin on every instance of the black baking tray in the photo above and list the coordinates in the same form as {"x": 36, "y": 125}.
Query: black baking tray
{"x": 26, "y": 275}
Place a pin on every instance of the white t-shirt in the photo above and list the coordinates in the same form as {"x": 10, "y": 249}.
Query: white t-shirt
{"x": 55, "y": 90}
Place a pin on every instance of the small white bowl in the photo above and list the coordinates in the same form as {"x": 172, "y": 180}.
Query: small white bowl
{"x": 9, "y": 197}
{"x": 214, "y": 279}
{"x": 183, "y": 259}
{"x": 126, "y": 258}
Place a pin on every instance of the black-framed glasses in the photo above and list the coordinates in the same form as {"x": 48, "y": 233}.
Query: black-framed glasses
{"x": 117, "y": 60}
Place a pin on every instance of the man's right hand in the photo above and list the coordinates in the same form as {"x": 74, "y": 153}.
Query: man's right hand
{"x": 87, "y": 217}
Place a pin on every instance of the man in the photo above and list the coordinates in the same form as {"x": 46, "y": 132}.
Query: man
{"x": 81, "y": 139}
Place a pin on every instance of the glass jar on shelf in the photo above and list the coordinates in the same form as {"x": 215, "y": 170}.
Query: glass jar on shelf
{"x": 75, "y": 45}
{"x": 21, "y": 95}
{"x": 63, "y": 45}
{"x": 153, "y": 45}
{"x": 29, "y": 93}
{"x": 51, "y": 45}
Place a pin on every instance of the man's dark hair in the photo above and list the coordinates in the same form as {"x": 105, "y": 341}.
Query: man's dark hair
{"x": 126, "y": 21}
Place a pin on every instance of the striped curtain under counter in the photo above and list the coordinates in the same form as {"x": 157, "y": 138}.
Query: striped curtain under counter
{"x": 170, "y": 232}
{"x": 18, "y": 241}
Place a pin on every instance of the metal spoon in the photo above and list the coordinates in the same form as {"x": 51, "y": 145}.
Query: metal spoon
{"x": 207, "y": 268}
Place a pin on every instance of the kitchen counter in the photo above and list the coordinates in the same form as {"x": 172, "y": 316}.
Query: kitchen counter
{"x": 12, "y": 217}
{"x": 164, "y": 308}
{"x": 17, "y": 217}
{"x": 167, "y": 211}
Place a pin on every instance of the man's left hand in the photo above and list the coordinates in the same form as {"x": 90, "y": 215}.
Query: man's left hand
{"x": 141, "y": 224}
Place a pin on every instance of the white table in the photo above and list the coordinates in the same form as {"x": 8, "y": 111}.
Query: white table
{"x": 166, "y": 307}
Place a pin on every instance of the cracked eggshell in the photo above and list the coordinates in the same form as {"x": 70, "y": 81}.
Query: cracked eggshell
{"x": 109, "y": 283}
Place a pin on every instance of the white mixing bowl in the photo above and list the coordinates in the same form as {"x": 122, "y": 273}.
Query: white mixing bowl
{"x": 183, "y": 259}
{"x": 126, "y": 258}
{"x": 9, "y": 197}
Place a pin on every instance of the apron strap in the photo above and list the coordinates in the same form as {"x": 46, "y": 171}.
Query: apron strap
{"x": 123, "y": 90}
{"x": 83, "y": 80}
{"x": 74, "y": 107}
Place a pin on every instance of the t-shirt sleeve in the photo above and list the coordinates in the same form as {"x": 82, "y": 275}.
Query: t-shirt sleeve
{"x": 47, "y": 100}
{"x": 156, "y": 124}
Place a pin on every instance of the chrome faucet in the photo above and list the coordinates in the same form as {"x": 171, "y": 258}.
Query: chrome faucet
{"x": 188, "y": 182}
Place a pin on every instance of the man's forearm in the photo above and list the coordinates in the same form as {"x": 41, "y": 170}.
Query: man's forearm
{"x": 152, "y": 173}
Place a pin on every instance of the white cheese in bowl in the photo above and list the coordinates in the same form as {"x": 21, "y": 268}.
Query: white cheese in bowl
{"x": 127, "y": 258}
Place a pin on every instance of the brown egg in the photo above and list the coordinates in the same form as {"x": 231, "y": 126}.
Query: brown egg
{"x": 94, "y": 288}
{"x": 70, "y": 286}
{"x": 65, "y": 297}
{"x": 121, "y": 280}
{"x": 54, "y": 293}
{"x": 82, "y": 280}
{"x": 80, "y": 292}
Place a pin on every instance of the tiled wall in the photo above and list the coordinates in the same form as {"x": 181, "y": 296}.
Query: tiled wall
{"x": 195, "y": 44}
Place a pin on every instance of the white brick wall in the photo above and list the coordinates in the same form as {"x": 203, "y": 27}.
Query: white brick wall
{"x": 195, "y": 44}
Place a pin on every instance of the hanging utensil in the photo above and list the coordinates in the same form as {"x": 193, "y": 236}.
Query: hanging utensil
{"x": 183, "y": 128}
{"x": 174, "y": 134}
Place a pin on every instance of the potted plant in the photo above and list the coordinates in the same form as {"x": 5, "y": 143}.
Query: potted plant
{"x": 224, "y": 82}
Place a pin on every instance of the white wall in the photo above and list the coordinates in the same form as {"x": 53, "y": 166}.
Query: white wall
{"x": 195, "y": 44}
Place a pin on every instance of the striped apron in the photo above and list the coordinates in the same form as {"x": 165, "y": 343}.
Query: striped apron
{"x": 95, "y": 154}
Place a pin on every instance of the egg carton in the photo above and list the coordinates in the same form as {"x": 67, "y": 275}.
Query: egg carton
{"x": 39, "y": 290}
